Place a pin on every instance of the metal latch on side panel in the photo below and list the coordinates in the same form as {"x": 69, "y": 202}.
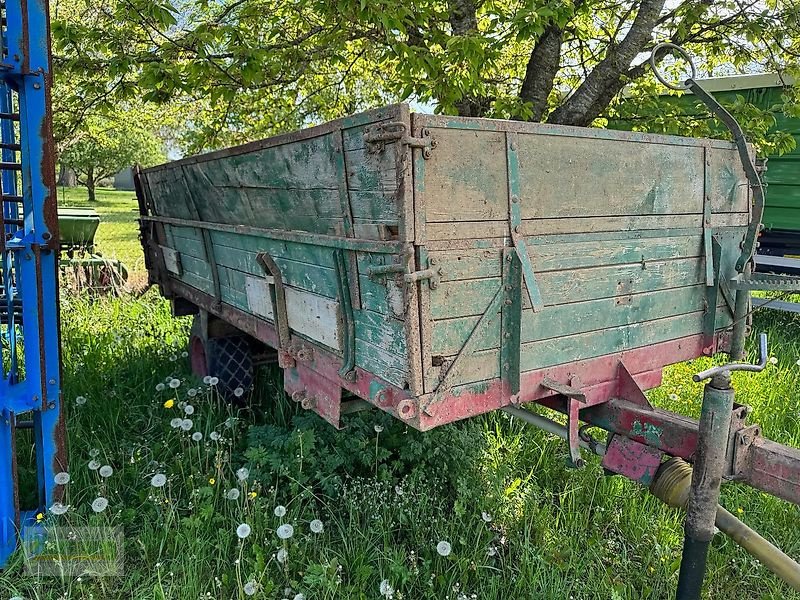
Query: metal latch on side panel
{"x": 377, "y": 136}
{"x": 433, "y": 275}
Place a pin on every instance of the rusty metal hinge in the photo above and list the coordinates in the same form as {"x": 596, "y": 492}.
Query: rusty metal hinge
{"x": 377, "y": 136}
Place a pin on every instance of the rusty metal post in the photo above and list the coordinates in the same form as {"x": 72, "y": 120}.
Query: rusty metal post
{"x": 709, "y": 468}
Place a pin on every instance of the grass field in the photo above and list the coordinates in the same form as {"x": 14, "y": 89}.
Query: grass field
{"x": 518, "y": 523}
{"x": 117, "y": 235}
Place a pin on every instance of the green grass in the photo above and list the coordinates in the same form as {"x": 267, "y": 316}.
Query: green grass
{"x": 118, "y": 234}
{"x": 386, "y": 496}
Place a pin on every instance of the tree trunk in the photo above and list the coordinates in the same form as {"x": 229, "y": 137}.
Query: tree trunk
{"x": 90, "y": 184}
{"x": 543, "y": 65}
{"x": 66, "y": 177}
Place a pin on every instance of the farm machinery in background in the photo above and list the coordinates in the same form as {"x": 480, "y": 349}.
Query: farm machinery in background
{"x": 82, "y": 265}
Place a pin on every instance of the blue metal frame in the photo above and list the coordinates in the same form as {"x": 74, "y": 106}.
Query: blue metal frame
{"x": 30, "y": 381}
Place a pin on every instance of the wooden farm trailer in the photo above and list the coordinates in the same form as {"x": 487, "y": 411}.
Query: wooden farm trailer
{"x": 438, "y": 268}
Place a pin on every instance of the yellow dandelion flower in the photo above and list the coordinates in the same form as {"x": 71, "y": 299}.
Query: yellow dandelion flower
{"x": 169, "y": 403}
{"x": 252, "y": 495}
{"x": 39, "y": 517}
{"x": 740, "y": 510}
{"x": 212, "y": 481}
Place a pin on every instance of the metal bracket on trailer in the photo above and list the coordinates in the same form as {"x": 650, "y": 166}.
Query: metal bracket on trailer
{"x": 285, "y": 359}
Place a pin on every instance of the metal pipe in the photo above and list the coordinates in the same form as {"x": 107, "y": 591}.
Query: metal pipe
{"x": 671, "y": 485}
{"x": 740, "y": 306}
{"x": 551, "y": 426}
{"x": 709, "y": 466}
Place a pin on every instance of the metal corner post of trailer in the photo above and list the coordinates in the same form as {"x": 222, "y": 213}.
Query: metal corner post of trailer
{"x": 30, "y": 386}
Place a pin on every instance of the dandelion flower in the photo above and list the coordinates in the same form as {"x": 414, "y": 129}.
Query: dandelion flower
{"x": 174, "y": 383}
{"x": 211, "y": 481}
{"x": 233, "y": 494}
{"x": 213, "y": 381}
{"x": 773, "y": 360}
{"x": 61, "y": 478}
{"x": 58, "y": 508}
{"x": 197, "y": 436}
{"x": 169, "y": 403}
{"x": 316, "y": 526}
{"x": 250, "y": 588}
{"x": 188, "y": 409}
{"x": 386, "y": 589}
{"x": 238, "y": 392}
{"x": 160, "y": 387}
{"x": 673, "y": 397}
{"x": 99, "y": 504}
{"x": 39, "y": 516}
{"x": 93, "y": 465}
{"x": 252, "y": 495}
{"x": 282, "y": 556}
{"x": 207, "y": 379}
{"x": 106, "y": 471}
{"x": 80, "y": 400}
{"x": 486, "y": 517}
{"x": 285, "y": 531}
{"x": 214, "y": 436}
{"x": 378, "y": 428}
{"x": 280, "y": 511}
{"x": 158, "y": 480}
{"x": 242, "y": 474}
{"x": 184, "y": 354}
{"x": 191, "y": 392}
{"x": 186, "y": 424}
{"x": 94, "y": 452}
{"x": 444, "y": 548}
{"x": 243, "y": 530}
{"x": 173, "y": 358}
{"x": 176, "y": 422}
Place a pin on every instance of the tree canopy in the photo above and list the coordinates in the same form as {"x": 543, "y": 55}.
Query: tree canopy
{"x": 242, "y": 69}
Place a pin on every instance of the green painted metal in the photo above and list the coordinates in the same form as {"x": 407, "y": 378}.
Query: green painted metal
{"x": 510, "y": 321}
{"x": 77, "y": 227}
{"x": 348, "y": 326}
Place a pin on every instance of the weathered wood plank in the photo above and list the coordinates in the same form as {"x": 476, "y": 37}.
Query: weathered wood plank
{"x": 304, "y": 253}
{"x": 465, "y": 178}
{"x": 470, "y": 297}
{"x": 388, "y": 366}
{"x": 372, "y": 171}
{"x": 531, "y": 227}
{"x": 381, "y": 330}
{"x": 574, "y": 254}
{"x": 729, "y": 190}
{"x": 568, "y": 319}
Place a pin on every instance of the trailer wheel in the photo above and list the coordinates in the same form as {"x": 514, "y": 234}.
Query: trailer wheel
{"x": 230, "y": 359}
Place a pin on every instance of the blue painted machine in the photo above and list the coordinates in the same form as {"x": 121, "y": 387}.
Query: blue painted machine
{"x": 30, "y": 386}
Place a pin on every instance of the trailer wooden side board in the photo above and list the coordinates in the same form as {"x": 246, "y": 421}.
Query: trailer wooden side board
{"x": 453, "y": 264}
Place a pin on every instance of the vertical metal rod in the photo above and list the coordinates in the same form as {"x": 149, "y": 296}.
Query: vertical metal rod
{"x": 740, "y": 319}
{"x": 709, "y": 467}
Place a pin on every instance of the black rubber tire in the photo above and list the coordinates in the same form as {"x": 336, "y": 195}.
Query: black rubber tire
{"x": 230, "y": 359}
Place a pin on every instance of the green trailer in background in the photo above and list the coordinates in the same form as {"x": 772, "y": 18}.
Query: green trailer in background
{"x": 81, "y": 263}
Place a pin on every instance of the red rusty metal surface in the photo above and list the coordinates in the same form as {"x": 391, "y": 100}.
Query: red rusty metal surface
{"x": 632, "y": 459}
{"x": 773, "y": 468}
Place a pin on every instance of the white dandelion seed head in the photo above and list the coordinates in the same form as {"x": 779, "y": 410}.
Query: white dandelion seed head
{"x": 158, "y": 480}
{"x": 378, "y": 428}
{"x": 191, "y": 392}
{"x": 214, "y": 436}
{"x": 398, "y": 490}
{"x": 99, "y": 504}
{"x": 168, "y": 378}
{"x": 773, "y": 360}
{"x": 160, "y": 387}
{"x": 299, "y": 597}
{"x": 238, "y": 392}
{"x": 282, "y": 556}
{"x": 242, "y": 474}
{"x": 491, "y": 551}
{"x": 386, "y": 589}
{"x": 444, "y": 548}
{"x": 188, "y": 409}
{"x": 184, "y": 354}
{"x": 316, "y": 526}
{"x": 285, "y": 531}
{"x": 93, "y": 465}
{"x": 197, "y": 436}
{"x": 176, "y": 422}
{"x": 94, "y": 452}
{"x": 487, "y": 517}
{"x": 280, "y": 511}
{"x": 233, "y": 494}
{"x": 207, "y": 379}
{"x": 673, "y": 397}
{"x": 230, "y": 422}
{"x": 798, "y": 362}
{"x": 58, "y": 508}
{"x": 213, "y": 381}
{"x": 243, "y": 530}
{"x": 174, "y": 383}
{"x": 106, "y": 471}
{"x": 80, "y": 400}
{"x": 250, "y": 588}
{"x": 61, "y": 478}
{"x": 173, "y": 358}
{"x": 186, "y": 424}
